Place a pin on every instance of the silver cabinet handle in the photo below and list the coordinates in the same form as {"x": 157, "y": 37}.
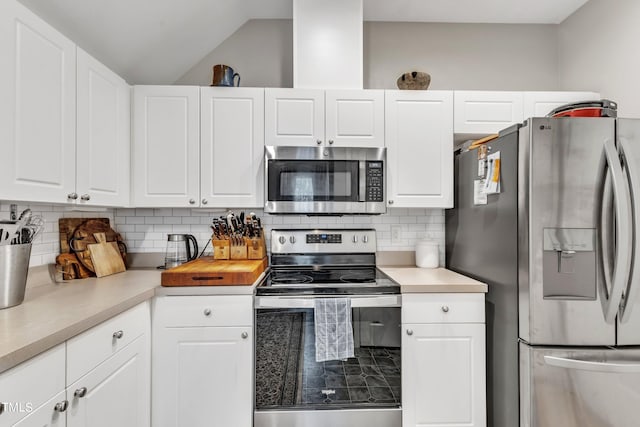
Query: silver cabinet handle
{"x": 118, "y": 334}
{"x": 85, "y": 197}
{"x": 207, "y": 312}
{"x": 445, "y": 308}
{"x": 390, "y": 202}
{"x": 205, "y": 201}
{"x": 81, "y": 392}
{"x": 620, "y": 367}
{"x": 1, "y": 408}
{"x": 409, "y": 332}
{"x": 331, "y": 142}
{"x": 318, "y": 141}
{"x": 61, "y": 406}
{"x": 72, "y": 196}
{"x": 244, "y": 335}
{"x": 192, "y": 201}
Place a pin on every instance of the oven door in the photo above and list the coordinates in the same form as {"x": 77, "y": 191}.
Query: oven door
{"x": 320, "y": 180}
{"x": 292, "y": 389}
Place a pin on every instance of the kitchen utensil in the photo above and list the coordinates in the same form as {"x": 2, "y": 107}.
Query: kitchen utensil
{"x": 14, "y": 267}
{"x": 105, "y": 256}
{"x": 7, "y": 231}
{"x": 68, "y": 226}
{"x": 84, "y": 236}
{"x": 206, "y": 272}
{"x": 223, "y": 75}
{"x": 179, "y": 249}
{"x": 71, "y": 268}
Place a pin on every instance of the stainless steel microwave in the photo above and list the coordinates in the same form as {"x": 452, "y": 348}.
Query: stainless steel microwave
{"x": 325, "y": 180}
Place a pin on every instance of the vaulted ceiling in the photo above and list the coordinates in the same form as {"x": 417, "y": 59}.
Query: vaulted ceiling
{"x": 156, "y": 41}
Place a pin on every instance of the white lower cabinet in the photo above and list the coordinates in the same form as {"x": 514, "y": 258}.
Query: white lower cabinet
{"x": 203, "y": 361}
{"x": 50, "y": 414}
{"x": 443, "y": 363}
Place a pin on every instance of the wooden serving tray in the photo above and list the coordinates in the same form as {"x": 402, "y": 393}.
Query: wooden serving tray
{"x": 206, "y": 271}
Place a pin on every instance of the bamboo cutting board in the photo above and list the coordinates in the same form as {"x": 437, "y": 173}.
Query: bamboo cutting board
{"x": 206, "y": 271}
{"x": 105, "y": 256}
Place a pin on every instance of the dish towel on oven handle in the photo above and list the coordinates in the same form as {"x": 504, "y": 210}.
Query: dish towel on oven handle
{"x": 333, "y": 328}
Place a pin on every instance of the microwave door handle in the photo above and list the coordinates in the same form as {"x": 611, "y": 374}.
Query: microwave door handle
{"x": 620, "y": 276}
{"x": 362, "y": 181}
{"x": 618, "y": 367}
{"x": 634, "y": 187}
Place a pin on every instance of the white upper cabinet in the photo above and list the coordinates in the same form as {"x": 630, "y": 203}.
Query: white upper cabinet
{"x": 419, "y": 140}
{"x": 294, "y": 117}
{"x": 103, "y": 134}
{"x": 37, "y": 108}
{"x": 345, "y": 118}
{"x": 166, "y": 146}
{"x": 479, "y": 112}
{"x": 232, "y": 147}
{"x": 354, "y": 118}
{"x": 539, "y": 104}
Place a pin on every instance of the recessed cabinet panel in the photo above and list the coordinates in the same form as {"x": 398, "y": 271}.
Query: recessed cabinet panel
{"x": 539, "y": 104}
{"x": 37, "y": 108}
{"x": 294, "y": 117}
{"x": 419, "y": 149}
{"x": 355, "y": 118}
{"x": 232, "y": 147}
{"x": 166, "y": 144}
{"x": 478, "y": 112}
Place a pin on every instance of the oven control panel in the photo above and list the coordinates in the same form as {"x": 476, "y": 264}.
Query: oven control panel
{"x": 308, "y": 241}
{"x": 324, "y": 238}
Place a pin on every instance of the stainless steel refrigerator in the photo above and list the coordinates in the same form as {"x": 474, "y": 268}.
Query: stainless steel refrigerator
{"x": 559, "y": 249}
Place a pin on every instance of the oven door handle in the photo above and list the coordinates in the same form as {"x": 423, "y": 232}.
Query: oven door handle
{"x": 309, "y": 302}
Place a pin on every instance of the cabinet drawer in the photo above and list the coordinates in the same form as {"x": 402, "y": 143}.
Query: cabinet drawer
{"x": 185, "y": 311}
{"x": 87, "y": 350}
{"x": 31, "y": 384}
{"x": 443, "y": 308}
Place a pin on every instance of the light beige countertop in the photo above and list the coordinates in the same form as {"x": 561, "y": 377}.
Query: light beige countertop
{"x": 54, "y": 312}
{"x": 425, "y": 280}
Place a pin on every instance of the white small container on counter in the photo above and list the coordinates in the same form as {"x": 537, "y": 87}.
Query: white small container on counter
{"x": 427, "y": 254}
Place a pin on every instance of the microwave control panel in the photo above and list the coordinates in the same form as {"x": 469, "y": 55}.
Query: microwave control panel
{"x": 375, "y": 190}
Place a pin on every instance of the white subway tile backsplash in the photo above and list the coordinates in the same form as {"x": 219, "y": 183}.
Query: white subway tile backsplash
{"x": 145, "y": 230}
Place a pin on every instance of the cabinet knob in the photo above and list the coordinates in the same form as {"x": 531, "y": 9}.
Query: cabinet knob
{"x": 72, "y": 196}
{"x": 81, "y": 392}
{"x": 331, "y": 142}
{"x": 61, "y": 406}
{"x": 445, "y": 308}
{"x": 1, "y": 408}
{"x": 409, "y": 332}
{"x": 319, "y": 141}
{"x": 85, "y": 197}
{"x": 118, "y": 334}
{"x": 244, "y": 335}
{"x": 390, "y": 202}
{"x": 207, "y": 312}
{"x": 205, "y": 201}
{"x": 192, "y": 201}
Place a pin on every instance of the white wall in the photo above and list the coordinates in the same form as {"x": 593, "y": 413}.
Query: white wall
{"x": 598, "y": 50}
{"x": 458, "y": 56}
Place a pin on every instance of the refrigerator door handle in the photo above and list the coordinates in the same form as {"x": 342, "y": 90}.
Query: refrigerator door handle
{"x": 620, "y": 276}
{"x": 620, "y": 367}
{"x": 632, "y": 287}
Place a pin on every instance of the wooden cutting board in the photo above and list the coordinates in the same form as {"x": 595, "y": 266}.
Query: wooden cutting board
{"x": 105, "y": 256}
{"x": 206, "y": 271}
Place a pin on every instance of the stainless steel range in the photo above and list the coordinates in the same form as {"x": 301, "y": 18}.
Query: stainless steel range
{"x": 311, "y": 267}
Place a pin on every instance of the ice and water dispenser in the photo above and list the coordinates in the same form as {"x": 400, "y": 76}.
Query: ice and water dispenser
{"x": 569, "y": 263}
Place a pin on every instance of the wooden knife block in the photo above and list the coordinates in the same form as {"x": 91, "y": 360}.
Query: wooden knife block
{"x": 253, "y": 248}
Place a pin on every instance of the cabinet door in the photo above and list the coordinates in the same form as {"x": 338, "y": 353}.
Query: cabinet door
{"x": 166, "y": 146}
{"x": 37, "y": 108}
{"x": 443, "y": 375}
{"x": 354, "y": 118}
{"x": 232, "y": 147}
{"x": 539, "y": 104}
{"x": 478, "y": 112}
{"x": 47, "y": 415}
{"x": 116, "y": 392}
{"x": 294, "y": 117}
{"x": 102, "y": 151}
{"x": 203, "y": 377}
{"x": 419, "y": 139}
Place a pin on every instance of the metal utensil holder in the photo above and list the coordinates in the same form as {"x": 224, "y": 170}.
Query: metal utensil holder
{"x": 14, "y": 268}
